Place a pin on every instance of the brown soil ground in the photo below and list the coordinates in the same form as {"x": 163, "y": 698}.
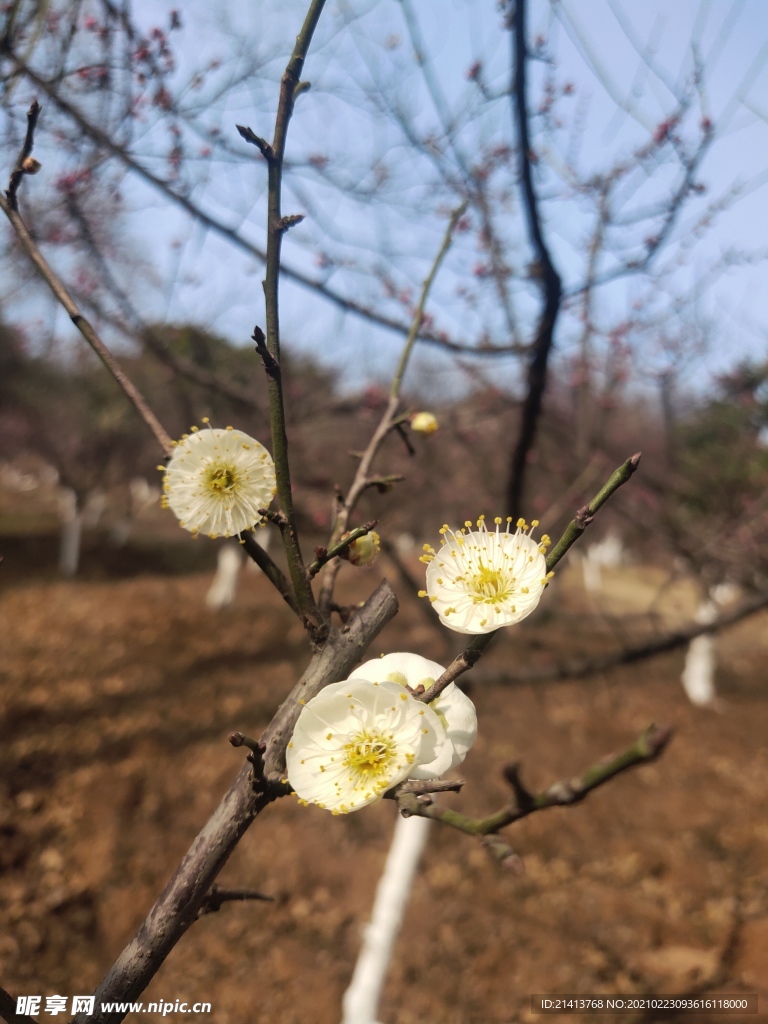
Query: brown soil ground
{"x": 117, "y": 698}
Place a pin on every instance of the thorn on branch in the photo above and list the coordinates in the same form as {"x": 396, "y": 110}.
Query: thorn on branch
{"x": 345, "y": 611}
{"x": 406, "y": 440}
{"x": 255, "y": 140}
{"x": 218, "y": 896}
{"x": 271, "y": 365}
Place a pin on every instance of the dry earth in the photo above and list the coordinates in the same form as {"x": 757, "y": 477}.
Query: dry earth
{"x": 117, "y": 698}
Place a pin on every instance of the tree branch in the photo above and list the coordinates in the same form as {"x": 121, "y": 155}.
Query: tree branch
{"x": 389, "y": 419}
{"x": 24, "y": 162}
{"x": 255, "y": 787}
{"x": 86, "y": 329}
{"x": 8, "y": 1010}
{"x": 649, "y": 746}
{"x": 289, "y": 87}
{"x": 270, "y": 569}
{"x": 549, "y": 278}
{"x": 579, "y": 668}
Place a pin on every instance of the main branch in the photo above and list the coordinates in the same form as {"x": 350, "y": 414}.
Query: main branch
{"x": 548, "y": 276}
{"x": 274, "y": 155}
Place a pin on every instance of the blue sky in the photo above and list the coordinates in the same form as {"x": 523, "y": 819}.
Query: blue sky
{"x": 619, "y": 97}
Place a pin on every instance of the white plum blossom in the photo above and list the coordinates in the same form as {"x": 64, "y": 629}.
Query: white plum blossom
{"x": 481, "y": 580}
{"x": 357, "y": 739}
{"x": 217, "y": 480}
{"x": 454, "y": 709}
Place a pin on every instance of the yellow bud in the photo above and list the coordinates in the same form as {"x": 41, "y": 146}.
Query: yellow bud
{"x": 424, "y": 423}
{"x": 364, "y": 550}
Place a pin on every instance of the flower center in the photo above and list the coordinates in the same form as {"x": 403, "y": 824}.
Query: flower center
{"x": 221, "y": 479}
{"x": 490, "y": 586}
{"x": 369, "y": 753}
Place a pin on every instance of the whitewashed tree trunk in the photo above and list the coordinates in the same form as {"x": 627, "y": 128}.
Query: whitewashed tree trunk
{"x": 700, "y": 667}
{"x": 698, "y": 676}
{"x": 361, "y": 1000}
{"x": 222, "y": 591}
{"x": 608, "y": 553}
{"x": 593, "y": 576}
{"x": 71, "y": 519}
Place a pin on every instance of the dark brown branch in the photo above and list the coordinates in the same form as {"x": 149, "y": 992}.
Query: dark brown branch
{"x": 648, "y": 747}
{"x": 275, "y": 155}
{"x": 131, "y": 392}
{"x": 8, "y": 1010}
{"x": 270, "y": 569}
{"x": 580, "y": 668}
{"x": 24, "y": 164}
{"x": 177, "y": 907}
{"x": 549, "y": 278}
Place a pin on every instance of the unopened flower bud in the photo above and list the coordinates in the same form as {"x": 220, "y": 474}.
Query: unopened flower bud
{"x": 364, "y": 550}
{"x": 424, "y": 423}
{"x": 30, "y": 165}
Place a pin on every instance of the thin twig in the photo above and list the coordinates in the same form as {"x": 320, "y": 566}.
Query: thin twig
{"x": 586, "y": 514}
{"x": 649, "y": 746}
{"x": 146, "y": 334}
{"x": 437, "y": 339}
{"x": 388, "y": 421}
{"x": 270, "y": 569}
{"x": 579, "y": 668}
{"x": 324, "y": 556}
{"x": 84, "y": 326}
{"x": 23, "y": 165}
{"x": 290, "y": 86}
{"x": 217, "y": 897}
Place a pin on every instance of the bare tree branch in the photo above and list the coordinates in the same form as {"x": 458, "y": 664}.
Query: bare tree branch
{"x": 548, "y": 276}
{"x": 8, "y": 206}
{"x": 290, "y": 87}
{"x": 580, "y": 668}
{"x": 8, "y": 1010}
{"x": 389, "y": 419}
{"x": 648, "y": 747}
